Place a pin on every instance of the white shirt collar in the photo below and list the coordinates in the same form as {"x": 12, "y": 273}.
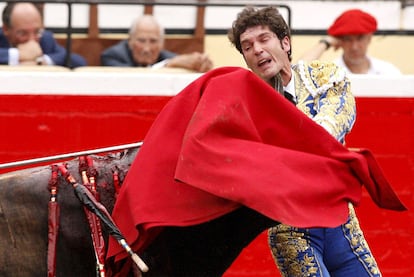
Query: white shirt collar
{"x": 291, "y": 86}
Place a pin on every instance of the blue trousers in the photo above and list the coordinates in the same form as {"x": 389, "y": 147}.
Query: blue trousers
{"x": 322, "y": 252}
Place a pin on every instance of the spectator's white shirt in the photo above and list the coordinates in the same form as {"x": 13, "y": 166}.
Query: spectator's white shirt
{"x": 378, "y": 67}
{"x": 14, "y": 57}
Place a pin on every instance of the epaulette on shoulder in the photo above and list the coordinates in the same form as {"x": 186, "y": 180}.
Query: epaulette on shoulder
{"x": 319, "y": 76}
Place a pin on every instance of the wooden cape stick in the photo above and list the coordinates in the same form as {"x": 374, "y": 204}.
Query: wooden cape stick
{"x": 69, "y": 155}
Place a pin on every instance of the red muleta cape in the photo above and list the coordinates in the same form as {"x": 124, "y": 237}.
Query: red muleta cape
{"x": 228, "y": 139}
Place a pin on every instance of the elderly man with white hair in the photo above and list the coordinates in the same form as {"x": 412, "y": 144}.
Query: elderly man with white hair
{"x": 145, "y": 48}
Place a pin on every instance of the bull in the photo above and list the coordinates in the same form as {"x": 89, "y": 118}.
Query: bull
{"x": 24, "y": 227}
{"x": 24, "y": 198}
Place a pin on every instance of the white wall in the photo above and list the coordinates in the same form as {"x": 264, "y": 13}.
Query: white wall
{"x": 161, "y": 84}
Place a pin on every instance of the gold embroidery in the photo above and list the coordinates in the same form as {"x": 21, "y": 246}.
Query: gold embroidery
{"x": 287, "y": 244}
{"x": 325, "y": 97}
{"x": 293, "y": 253}
{"x": 352, "y": 231}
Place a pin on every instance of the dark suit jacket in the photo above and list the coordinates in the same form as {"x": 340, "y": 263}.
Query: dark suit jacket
{"x": 121, "y": 55}
{"x": 49, "y": 47}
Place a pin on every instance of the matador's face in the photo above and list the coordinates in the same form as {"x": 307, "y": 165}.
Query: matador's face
{"x": 263, "y": 52}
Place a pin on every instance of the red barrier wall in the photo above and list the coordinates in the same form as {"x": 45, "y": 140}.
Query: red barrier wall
{"x": 42, "y": 125}
{"x": 35, "y": 126}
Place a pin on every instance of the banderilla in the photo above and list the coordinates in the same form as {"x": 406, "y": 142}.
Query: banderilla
{"x": 70, "y": 155}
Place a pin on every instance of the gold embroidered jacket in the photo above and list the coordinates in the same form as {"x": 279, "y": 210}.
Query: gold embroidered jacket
{"x": 323, "y": 92}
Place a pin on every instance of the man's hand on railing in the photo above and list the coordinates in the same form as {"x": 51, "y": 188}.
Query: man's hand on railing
{"x": 29, "y": 52}
{"x": 195, "y": 61}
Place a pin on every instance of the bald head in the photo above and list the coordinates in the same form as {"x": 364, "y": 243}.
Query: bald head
{"x": 20, "y": 10}
{"x": 22, "y": 21}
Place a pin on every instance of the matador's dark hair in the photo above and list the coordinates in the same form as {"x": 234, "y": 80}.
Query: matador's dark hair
{"x": 250, "y": 17}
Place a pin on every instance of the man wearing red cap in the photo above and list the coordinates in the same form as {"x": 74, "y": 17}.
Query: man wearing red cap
{"x": 352, "y": 31}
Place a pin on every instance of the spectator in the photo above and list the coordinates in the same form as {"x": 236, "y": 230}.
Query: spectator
{"x": 352, "y": 31}
{"x": 24, "y": 41}
{"x": 144, "y": 48}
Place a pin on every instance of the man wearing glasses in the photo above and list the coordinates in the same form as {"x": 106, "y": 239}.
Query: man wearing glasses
{"x": 23, "y": 40}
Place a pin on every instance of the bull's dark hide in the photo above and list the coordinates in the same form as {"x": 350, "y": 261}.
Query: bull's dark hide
{"x": 207, "y": 249}
{"x": 24, "y": 198}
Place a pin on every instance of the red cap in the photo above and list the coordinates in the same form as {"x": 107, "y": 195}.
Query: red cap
{"x": 353, "y": 22}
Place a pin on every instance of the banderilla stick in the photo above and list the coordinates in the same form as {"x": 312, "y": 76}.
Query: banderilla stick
{"x": 69, "y": 155}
